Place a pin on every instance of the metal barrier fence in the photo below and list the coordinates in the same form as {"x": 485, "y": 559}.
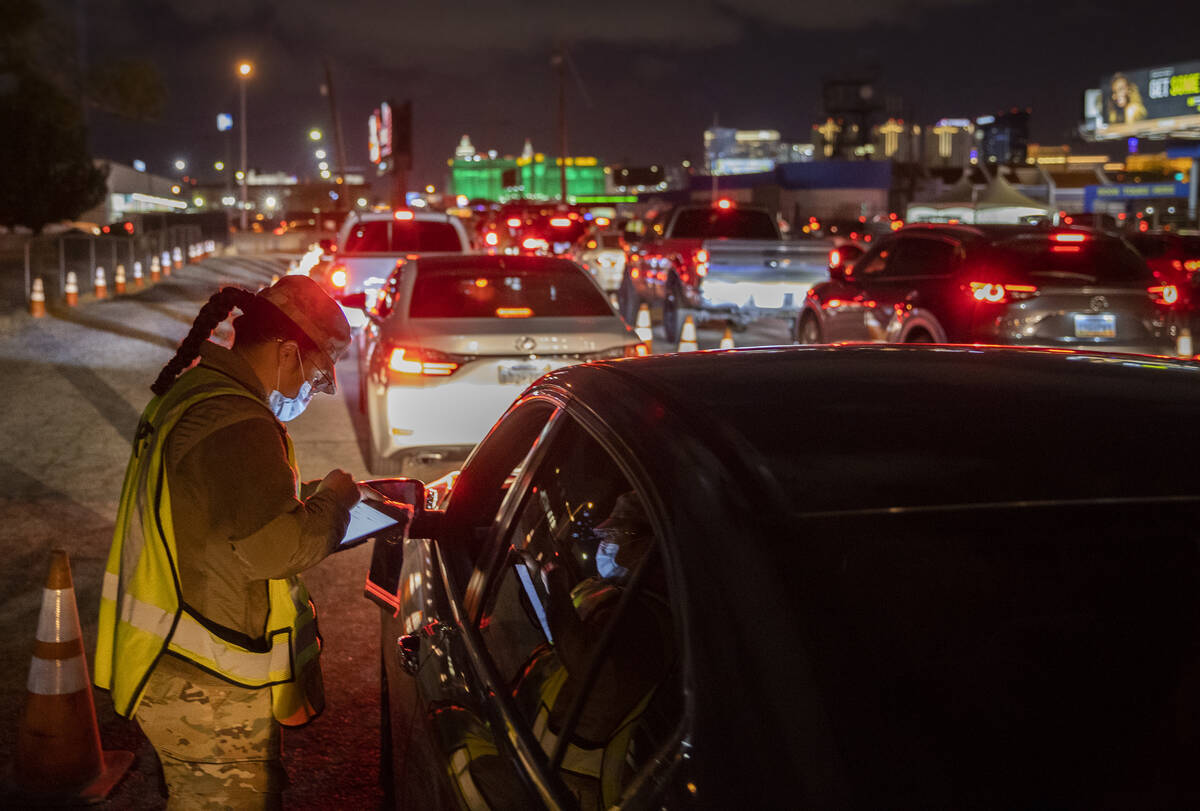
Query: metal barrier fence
{"x": 52, "y": 257}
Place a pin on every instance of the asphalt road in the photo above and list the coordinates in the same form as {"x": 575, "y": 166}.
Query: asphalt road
{"x": 74, "y": 384}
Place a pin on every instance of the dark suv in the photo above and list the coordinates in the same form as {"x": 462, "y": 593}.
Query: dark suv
{"x": 996, "y": 284}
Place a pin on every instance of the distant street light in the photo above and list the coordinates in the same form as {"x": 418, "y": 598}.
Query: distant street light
{"x": 320, "y": 153}
{"x": 244, "y": 70}
{"x": 270, "y": 202}
{"x": 325, "y": 174}
{"x": 219, "y": 166}
{"x": 314, "y": 134}
{"x": 322, "y": 165}
{"x": 430, "y": 189}
{"x": 180, "y": 164}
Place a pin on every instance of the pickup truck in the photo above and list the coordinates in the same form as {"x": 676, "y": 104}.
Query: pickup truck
{"x": 371, "y": 243}
{"x": 724, "y": 261}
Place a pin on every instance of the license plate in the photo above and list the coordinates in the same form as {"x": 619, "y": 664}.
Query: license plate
{"x": 521, "y": 374}
{"x": 1096, "y": 326}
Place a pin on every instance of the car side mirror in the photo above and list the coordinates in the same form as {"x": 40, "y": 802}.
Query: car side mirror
{"x": 387, "y": 559}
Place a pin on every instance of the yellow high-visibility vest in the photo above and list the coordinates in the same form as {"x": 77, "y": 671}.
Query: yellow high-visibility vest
{"x": 142, "y": 611}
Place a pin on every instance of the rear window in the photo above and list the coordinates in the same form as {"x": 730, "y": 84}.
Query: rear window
{"x": 1149, "y": 246}
{"x": 1040, "y": 260}
{"x": 394, "y": 236}
{"x": 563, "y": 290}
{"x": 717, "y": 223}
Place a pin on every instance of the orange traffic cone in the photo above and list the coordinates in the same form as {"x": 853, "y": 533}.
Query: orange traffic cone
{"x": 101, "y": 287}
{"x": 687, "y": 336}
{"x": 119, "y": 280}
{"x": 37, "y": 298}
{"x": 727, "y": 338}
{"x": 178, "y": 254}
{"x": 643, "y": 328}
{"x": 274, "y": 278}
{"x": 59, "y": 758}
{"x": 138, "y": 281}
{"x": 155, "y": 269}
{"x": 71, "y": 289}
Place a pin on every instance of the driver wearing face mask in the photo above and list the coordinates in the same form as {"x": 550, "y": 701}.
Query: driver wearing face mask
{"x": 207, "y": 635}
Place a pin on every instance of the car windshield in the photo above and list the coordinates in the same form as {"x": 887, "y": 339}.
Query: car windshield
{"x": 1040, "y": 259}
{"x": 386, "y": 236}
{"x": 562, "y": 290}
{"x": 722, "y": 223}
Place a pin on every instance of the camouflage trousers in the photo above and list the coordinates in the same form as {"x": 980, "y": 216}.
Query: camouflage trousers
{"x": 219, "y": 744}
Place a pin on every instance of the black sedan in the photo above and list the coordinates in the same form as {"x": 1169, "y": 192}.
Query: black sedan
{"x": 868, "y": 577}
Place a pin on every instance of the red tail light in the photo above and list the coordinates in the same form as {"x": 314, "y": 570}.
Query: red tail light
{"x": 492, "y": 238}
{"x": 514, "y": 312}
{"x": 514, "y": 222}
{"x": 724, "y": 204}
{"x": 835, "y": 258}
{"x": 1164, "y": 294}
{"x": 1069, "y": 237}
{"x": 700, "y": 260}
{"x": 561, "y": 222}
{"x": 404, "y": 215}
{"x": 1191, "y": 265}
{"x": 338, "y": 278}
{"x": 415, "y": 363}
{"x": 996, "y": 293}
{"x": 636, "y": 351}
{"x": 535, "y": 244}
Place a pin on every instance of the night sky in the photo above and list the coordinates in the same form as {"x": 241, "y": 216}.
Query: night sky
{"x": 650, "y": 75}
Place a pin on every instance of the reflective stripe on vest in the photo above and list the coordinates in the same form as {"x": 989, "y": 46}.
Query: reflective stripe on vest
{"x": 142, "y": 614}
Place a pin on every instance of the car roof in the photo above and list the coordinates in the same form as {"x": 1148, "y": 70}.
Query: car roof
{"x": 868, "y": 427}
{"x": 376, "y": 216}
{"x": 999, "y": 233}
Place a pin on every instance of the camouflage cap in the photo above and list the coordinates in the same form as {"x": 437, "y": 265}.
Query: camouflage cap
{"x": 315, "y": 313}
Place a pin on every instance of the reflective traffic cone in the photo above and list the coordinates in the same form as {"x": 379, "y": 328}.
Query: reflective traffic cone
{"x": 727, "y": 338}
{"x": 274, "y": 278}
{"x": 293, "y": 267}
{"x": 1183, "y": 345}
{"x": 166, "y": 263}
{"x": 643, "y": 328}
{"x": 101, "y": 286}
{"x": 155, "y": 269}
{"x": 37, "y": 298}
{"x": 178, "y": 255}
{"x": 687, "y": 336}
{"x": 59, "y": 758}
{"x": 119, "y": 280}
{"x": 138, "y": 281}
{"x": 71, "y": 289}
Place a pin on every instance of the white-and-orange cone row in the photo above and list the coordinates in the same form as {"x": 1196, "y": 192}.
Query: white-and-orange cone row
{"x": 687, "y": 336}
{"x": 642, "y": 327}
{"x": 37, "y": 298}
{"x": 71, "y": 290}
{"x": 59, "y": 757}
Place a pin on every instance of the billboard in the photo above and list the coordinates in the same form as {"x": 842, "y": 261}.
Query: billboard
{"x": 1154, "y": 101}
{"x": 379, "y": 133}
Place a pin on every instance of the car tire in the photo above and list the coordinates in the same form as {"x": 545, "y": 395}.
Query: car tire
{"x": 808, "y": 331}
{"x": 384, "y": 466}
{"x": 628, "y": 302}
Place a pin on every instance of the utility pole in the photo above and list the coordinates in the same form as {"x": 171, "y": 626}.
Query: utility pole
{"x": 559, "y": 62}
{"x": 242, "y": 130}
{"x": 339, "y": 143}
{"x": 712, "y": 169}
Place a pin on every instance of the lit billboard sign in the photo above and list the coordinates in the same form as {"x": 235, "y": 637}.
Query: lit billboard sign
{"x": 379, "y": 133}
{"x": 1154, "y": 101}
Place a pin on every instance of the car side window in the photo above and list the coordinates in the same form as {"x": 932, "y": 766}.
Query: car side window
{"x": 874, "y": 262}
{"x": 385, "y": 300}
{"x": 579, "y": 621}
{"x": 919, "y": 256}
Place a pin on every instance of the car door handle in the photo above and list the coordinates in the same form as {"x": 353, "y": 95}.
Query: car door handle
{"x": 409, "y": 645}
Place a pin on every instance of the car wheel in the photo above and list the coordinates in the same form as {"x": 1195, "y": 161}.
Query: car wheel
{"x": 672, "y": 318}
{"x": 918, "y": 336}
{"x": 809, "y": 331}
{"x": 384, "y": 466}
{"x": 627, "y": 301}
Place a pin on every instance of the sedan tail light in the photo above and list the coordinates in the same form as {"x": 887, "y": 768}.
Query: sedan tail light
{"x": 700, "y": 261}
{"x": 414, "y": 363}
{"x": 1191, "y": 265}
{"x": 997, "y": 293}
{"x": 1167, "y": 294}
{"x": 338, "y": 277}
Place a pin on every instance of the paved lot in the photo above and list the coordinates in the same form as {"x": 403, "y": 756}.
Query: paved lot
{"x": 74, "y": 384}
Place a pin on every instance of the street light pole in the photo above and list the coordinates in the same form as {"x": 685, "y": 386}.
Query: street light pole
{"x": 244, "y": 70}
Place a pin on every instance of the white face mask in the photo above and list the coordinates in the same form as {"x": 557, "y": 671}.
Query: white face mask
{"x": 288, "y": 408}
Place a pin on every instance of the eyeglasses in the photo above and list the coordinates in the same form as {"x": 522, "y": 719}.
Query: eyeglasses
{"x": 320, "y": 380}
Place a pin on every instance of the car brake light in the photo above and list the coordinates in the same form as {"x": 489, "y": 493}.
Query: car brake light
{"x": 1164, "y": 293}
{"x": 700, "y": 260}
{"x": 492, "y": 238}
{"x": 561, "y": 222}
{"x": 535, "y": 244}
{"x": 835, "y": 258}
{"x": 725, "y": 204}
{"x": 404, "y": 215}
{"x": 637, "y": 350}
{"x": 1069, "y": 237}
{"x": 415, "y": 364}
{"x": 1191, "y": 265}
{"x": 338, "y": 277}
{"x": 994, "y": 293}
{"x": 514, "y": 222}
{"x": 601, "y": 222}
{"x": 513, "y": 312}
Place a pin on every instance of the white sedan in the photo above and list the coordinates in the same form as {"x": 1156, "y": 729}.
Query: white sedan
{"x": 452, "y": 341}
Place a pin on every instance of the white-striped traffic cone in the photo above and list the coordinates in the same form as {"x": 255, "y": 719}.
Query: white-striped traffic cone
{"x": 178, "y": 255}
{"x": 37, "y": 298}
{"x": 155, "y": 269}
{"x": 119, "y": 280}
{"x": 727, "y": 338}
{"x": 166, "y": 263}
{"x": 643, "y": 328}
{"x": 71, "y": 289}
{"x": 1183, "y": 345}
{"x": 138, "y": 281}
{"x": 59, "y": 757}
{"x": 101, "y": 286}
{"x": 687, "y": 336}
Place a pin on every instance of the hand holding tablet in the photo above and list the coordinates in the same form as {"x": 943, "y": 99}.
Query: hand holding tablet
{"x": 372, "y": 517}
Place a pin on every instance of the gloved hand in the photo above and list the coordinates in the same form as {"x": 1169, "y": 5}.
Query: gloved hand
{"x": 343, "y": 486}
